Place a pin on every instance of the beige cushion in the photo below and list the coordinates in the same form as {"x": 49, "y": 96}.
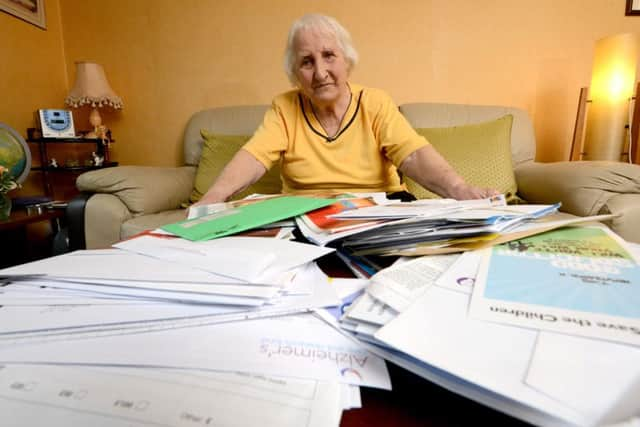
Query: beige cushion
{"x": 480, "y": 153}
{"x": 216, "y": 153}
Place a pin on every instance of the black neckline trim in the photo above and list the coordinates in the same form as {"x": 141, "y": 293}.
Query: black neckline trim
{"x": 325, "y": 137}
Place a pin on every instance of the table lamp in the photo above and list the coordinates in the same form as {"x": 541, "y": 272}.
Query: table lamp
{"x": 604, "y": 125}
{"x": 91, "y": 87}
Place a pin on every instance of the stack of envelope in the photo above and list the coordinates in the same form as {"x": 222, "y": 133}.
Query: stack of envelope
{"x": 164, "y": 330}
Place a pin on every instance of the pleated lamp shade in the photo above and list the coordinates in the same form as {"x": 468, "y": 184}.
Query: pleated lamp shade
{"x": 92, "y": 88}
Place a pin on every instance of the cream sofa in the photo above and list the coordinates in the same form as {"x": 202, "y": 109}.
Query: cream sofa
{"x": 122, "y": 201}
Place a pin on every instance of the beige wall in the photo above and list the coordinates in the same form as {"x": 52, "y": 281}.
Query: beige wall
{"x": 168, "y": 59}
{"x": 32, "y": 73}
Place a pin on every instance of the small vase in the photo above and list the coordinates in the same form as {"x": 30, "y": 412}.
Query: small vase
{"x": 5, "y": 207}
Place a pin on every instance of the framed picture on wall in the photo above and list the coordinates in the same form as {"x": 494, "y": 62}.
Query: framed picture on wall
{"x": 633, "y": 7}
{"x": 31, "y": 11}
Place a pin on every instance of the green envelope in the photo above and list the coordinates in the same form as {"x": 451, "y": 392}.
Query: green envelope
{"x": 242, "y": 218}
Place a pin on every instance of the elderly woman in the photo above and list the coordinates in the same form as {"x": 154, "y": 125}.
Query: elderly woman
{"x": 332, "y": 135}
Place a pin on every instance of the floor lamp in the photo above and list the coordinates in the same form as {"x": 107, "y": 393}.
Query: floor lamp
{"x": 606, "y": 124}
{"x": 634, "y": 150}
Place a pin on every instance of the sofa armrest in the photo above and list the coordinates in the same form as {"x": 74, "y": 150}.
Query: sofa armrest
{"x": 626, "y": 207}
{"x": 103, "y": 218}
{"x": 142, "y": 189}
{"x": 584, "y": 188}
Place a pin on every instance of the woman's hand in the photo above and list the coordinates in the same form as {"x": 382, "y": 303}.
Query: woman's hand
{"x": 467, "y": 192}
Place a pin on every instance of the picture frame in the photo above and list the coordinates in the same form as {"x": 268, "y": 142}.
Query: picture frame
{"x": 633, "y": 8}
{"x": 31, "y": 11}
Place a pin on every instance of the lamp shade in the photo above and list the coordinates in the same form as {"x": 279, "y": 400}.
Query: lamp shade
{"x": 612, "y": 85}
{"x": 92, "y": 88}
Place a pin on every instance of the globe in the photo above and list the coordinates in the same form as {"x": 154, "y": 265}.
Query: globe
{"x": 14, "y": 153}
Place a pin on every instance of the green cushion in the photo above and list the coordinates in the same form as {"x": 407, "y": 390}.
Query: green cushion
{"x": 217, "y": 151}
{"x": 480, "y": 153}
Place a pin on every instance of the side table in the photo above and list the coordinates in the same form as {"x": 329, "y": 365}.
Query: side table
{"x": 29, "y": 237}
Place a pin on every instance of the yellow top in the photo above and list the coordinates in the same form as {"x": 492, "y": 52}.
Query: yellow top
{"x": 373, "y": 139}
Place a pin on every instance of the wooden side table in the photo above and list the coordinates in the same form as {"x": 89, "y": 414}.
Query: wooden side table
{"x": 29, "y": 237}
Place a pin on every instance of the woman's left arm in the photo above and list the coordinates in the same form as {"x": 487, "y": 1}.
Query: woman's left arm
{"x": 428, "y": 168}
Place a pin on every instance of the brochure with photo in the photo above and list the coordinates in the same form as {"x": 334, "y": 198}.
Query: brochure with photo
{"x": 576, "y": 280}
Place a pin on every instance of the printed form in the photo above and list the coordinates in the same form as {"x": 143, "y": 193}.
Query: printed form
{"x": 124, "y": 397}
{"x": 300, "y": 346}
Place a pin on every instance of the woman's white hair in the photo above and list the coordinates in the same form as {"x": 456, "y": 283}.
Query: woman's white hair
{"x": 325, "y": 24}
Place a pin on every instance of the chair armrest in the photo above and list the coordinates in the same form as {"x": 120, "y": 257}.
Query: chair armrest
{"x": 142, "y": 189}
{"x": 583, "y": 187}
{"x": 103, "y": 218}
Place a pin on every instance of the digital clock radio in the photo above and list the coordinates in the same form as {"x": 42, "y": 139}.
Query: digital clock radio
{"x": 56, "y": 123}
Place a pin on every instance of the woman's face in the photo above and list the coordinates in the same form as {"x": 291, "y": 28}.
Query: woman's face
{"x": 321, "y": 68}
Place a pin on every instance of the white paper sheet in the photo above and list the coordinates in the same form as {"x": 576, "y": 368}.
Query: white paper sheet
{"x": 367, "y": 309}
{"x": 425, "y": 208}
{"x": 115, "y": 264}
{"x": 116, "y": 397}
{"x": 461, "y": 276}
{"x": 323, "y": 295}
{"x": 437, "y": 331}
{"x": 249, "y": 290}
{"x": 297, "y": 346}
{"x": 244, "y": 258}
{"x": 16, "y": 294}
{"x": 586, "y": 374}
{"x": 300, "y": 280}
{"x": 16, "y": 320}
{"x": 345, "y": 287}
{"x": 398, "y": 286}
{"x": 148, "y": 293}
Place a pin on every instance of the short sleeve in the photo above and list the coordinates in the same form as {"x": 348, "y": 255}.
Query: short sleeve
{"x": 270, "y": 139}
{"x": 396, "y": 137}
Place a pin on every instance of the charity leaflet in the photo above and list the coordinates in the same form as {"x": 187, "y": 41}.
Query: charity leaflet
{"x": 576, "y": 280}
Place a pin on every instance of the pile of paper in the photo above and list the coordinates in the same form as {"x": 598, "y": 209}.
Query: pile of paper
{"x": 416, "y": 314}
{"x": 442, "y": 229}
{"x": 227, "y": 325}
{"x": 242, "y": 330}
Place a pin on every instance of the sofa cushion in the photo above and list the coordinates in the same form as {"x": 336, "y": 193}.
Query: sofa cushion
{"x": 217, "y": 151}
{"x": 480, "y": 153}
